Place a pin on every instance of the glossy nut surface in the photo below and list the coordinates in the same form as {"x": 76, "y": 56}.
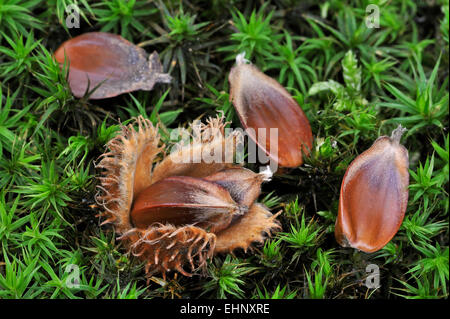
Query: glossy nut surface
{"x": 184, "y": 200}
{"x": 262, "y": 103}
{"x": 110, "y": 61}
{"x": 374, "y": 196}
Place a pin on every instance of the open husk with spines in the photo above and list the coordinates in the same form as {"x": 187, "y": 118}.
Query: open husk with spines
{"x": 218, "y": 213}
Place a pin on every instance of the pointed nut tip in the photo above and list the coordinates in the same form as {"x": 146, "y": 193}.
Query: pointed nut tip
{"x": 240, "y": 59}
{"x": 164, "y": 78}
{"x": 266, "y": 173}
{"x": 397, "y": 133}
{"x": 242, "y": 209}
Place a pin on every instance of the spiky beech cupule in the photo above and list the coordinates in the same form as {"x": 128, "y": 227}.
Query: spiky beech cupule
{"x": 269, "y": 114}
{"x": 173, "y": 213}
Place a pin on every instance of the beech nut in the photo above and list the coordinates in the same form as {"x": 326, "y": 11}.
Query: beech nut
{"x": 374, "y": 195}
{"x": 109, "y": 64}
{"x": 262, "y": 103}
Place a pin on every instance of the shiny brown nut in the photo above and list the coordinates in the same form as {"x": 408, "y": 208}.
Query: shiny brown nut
{"x": 262, "y": 103}
{"x": 184, "y": 200}
{"x": 110, "y": 62}
{"x": 374, "y": 195}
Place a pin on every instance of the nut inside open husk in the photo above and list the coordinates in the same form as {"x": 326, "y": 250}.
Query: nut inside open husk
{"x": 175, "y": 214}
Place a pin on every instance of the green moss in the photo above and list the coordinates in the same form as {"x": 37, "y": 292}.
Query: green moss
{"x": 354, "y": 83}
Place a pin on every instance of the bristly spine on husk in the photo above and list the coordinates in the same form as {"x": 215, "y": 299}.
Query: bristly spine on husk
{"x": 160, "y": 245}
{"x": 117, "y": 184}
{"x": 128, "y": 168}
